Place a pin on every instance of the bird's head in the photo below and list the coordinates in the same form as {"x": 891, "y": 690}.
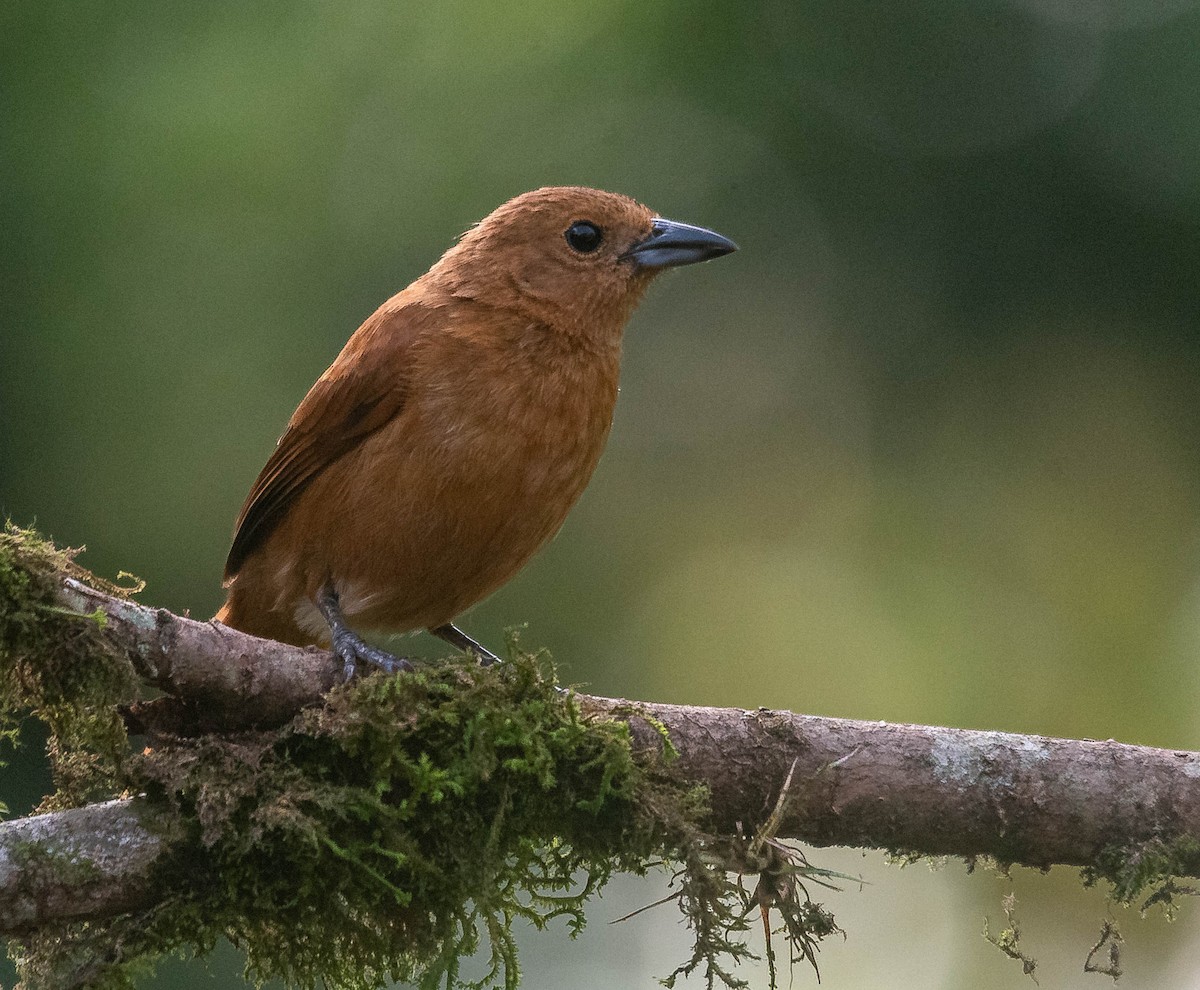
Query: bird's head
{"x": 576, "y": 258}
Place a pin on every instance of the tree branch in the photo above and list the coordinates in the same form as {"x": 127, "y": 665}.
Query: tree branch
{"x": 72, "y": 865}
{"x": 1021, "y": 799}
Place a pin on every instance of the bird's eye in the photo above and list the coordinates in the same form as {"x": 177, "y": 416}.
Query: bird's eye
{"x": 584, "y": 237}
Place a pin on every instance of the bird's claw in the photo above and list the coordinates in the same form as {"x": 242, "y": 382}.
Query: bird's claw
{"x": 350, "y": 649}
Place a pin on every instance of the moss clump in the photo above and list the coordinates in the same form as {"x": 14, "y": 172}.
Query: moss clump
{"x": 56, "y": 666}
{"x": 388, "y": 835}
{"x": 1148, "y": 870}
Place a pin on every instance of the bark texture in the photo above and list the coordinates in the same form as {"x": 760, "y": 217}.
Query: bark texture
{"x": 84, "y": 863}
{"x": 216, "y": 677}
{"x": 1033, "y": 800}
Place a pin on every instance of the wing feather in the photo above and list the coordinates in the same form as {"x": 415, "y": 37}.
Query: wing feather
{"x": 363, "y": 390}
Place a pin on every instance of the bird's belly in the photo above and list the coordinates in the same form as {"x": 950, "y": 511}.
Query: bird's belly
{"x": 432, "y": 532}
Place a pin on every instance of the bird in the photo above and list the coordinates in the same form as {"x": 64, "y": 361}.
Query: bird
{"x": 448, "y": 440}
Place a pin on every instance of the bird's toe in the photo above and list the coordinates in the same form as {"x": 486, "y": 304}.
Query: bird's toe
{"x": 351, "y": 650}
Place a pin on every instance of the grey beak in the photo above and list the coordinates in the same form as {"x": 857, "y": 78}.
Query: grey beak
{"x": 672, "y": 244}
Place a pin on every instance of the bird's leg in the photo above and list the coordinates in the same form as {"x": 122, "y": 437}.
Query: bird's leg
{"x": 460, "y": 640}
{"x": 347, "y": 645}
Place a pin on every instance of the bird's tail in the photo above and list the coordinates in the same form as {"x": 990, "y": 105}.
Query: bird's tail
{"x": 241, "y": 612}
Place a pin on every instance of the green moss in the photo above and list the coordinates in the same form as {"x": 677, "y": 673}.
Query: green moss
{"x": 1148, "y": 871}
{"x": 411, "y": 822}
{"x": 904, "y": 858}
{"x": 382, "y": 836}
{"x": 56, "y": 666}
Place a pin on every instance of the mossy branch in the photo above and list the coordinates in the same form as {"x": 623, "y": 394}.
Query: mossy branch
{"x": 408, "y": 818}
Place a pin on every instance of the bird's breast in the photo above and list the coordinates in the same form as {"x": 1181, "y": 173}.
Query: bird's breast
{"x": 476, "y": 475}
{"x": 525, "y": 440}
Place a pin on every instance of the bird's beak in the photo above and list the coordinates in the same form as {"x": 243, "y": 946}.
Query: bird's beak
{"x": 671, "y": 244}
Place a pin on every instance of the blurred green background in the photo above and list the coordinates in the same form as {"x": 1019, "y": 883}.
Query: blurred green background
{"x": 924, "y": 450}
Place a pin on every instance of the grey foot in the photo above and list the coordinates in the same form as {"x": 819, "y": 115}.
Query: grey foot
{"x": 352, "y": 650}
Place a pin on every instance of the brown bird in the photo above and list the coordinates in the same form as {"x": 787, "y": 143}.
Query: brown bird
{"x": 455, "y": 430}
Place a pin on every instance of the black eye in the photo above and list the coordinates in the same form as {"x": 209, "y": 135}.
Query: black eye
{"x": 584, "y": 237}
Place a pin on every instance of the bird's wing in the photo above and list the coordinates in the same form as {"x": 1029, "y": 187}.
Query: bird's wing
{"x": 359, "y": 393}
